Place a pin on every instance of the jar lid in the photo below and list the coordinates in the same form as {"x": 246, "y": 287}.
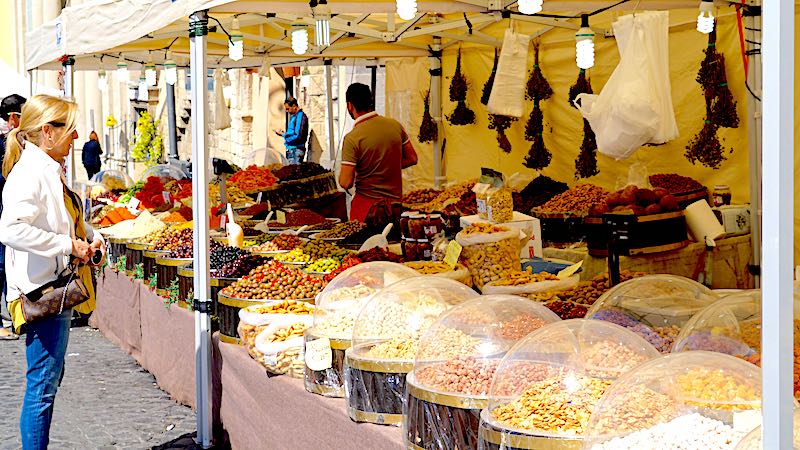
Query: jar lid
{"x": 423, "y": 241}
{"x": 409, "y": 213}
{"x": 721, "y": 187}
{"x": 435, "y": 216}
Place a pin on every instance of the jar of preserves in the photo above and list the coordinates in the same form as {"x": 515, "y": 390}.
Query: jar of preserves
{"x": 424, "y": 250}
{"x": 433, "y": 226}
{"x": 416, "y": 226}
{"x": 721, "y": 195}
{"x": 410, "y": 251}
{"x": 404, "y": 218}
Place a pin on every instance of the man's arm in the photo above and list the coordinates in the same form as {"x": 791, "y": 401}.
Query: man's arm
{"x": 292, "y": 129}
{"x": 347, "y": 175}
{"x": 409, "y": 157}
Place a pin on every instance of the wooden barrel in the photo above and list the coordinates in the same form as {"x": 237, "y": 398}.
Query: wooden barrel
{"x": 228, "y": 314}
{"x": 328, "y": 382}
{"x": 687, "y": 198}
{"x": 167, "y": 271}
{"x": 495, "y": 437}
{"x": 149, "y": 261}
{"x": 186, "y": 286}
{"x": 116, "y": 248}
{"x": 375, "y": 389}
{"x": 654, "y": 233}
{"x": 133, "y": 255}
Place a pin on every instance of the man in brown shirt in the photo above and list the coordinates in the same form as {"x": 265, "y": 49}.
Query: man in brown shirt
{"x": 373, "y": 154}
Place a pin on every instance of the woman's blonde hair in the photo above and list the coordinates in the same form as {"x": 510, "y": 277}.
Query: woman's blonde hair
{"x": 38, "y": 112}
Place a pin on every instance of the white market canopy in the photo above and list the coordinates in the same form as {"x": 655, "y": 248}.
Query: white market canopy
{"x": 368, "y": 30}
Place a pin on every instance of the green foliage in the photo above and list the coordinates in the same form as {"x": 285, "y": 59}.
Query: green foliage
{"x": 138, "y": 271}
{"x": 119, "y": 266}
{"x": 172, "y": 294}
{"x": 151, "y": 283}
{"x": 147, "y": 146}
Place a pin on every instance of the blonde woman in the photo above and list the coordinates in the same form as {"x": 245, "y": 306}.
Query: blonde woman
{"x": 42, "y": 229}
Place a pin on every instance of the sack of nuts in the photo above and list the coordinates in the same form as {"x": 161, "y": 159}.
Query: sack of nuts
{"x": 490, "y": 251}
{"x": 279, "y": 346}
{"x": 522, "y": 283}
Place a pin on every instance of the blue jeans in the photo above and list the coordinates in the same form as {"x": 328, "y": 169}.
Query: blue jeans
{"x": 45, "y": 348}
{"x": 295, "y": 155}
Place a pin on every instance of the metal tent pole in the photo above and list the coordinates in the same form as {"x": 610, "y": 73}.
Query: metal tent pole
{"x": 329, "y": 111}
{"x": 753, "y": 23}
{"x": 173, "y": 129}
{"x": 69, "y": 92}
{"x": 778, "y": 223}
{"x": 436, "y": 109}
{"x": 198, "y": 30}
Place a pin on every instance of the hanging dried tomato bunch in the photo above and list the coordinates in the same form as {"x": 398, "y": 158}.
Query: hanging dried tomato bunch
{"x": 586, "y": 163}
{"x": 428, "y": 131}
{"x": 501, "y": 124}
{"x": 487, "y": 88}
{"x": 705, "y": 147}
{"x": 538, "y": 156}
{"x": 462, "y": 115}
{"x": 714, "y": 81}
{"x": 538, "y": 88}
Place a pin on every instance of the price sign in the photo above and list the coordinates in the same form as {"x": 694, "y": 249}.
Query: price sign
{"x": 319, "y": 355}
{"x": 453, "y": 253}
{"x": 133, "y": 205}
{"x": 569, "y": 271}
{"x": 280, "y": 216}
{"x": 165, "y": 194}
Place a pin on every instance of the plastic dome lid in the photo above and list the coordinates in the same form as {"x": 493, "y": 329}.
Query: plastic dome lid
{"x": 563, "y": 368}
{"x": 754, "y": 440}
{"x": 692, "y": 400}
{"x": 163, "y": 171}
{"x": 655, "y": 307}
{"x": 391, "y": 323}
{"x": 461, "y": 350}
{"x": 113, "y": 180}
{"x": 340, "y": 302}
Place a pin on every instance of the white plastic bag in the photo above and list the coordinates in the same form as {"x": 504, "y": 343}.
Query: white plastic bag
{"x": 624, "y": 115}
{"x": 508, "y": 92}
{"x": 222, "y": 116}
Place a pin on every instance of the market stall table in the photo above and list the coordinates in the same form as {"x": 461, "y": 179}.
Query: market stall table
{"x": 730, "y": 260}
{"x": 117, "y": 314}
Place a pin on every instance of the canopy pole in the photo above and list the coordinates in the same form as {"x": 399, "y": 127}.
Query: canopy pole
{"x": 778, "y": 223}
{"x": 754, "y": 139}
{"x": 198, "y": 30}
{"x": 173, "y": 129}
{"x": 69, "y": 92}
{"x": 329, "y": 112}
{"x": 435, "y": 61}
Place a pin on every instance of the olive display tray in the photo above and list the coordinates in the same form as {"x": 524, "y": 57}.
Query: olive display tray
{"x": 375, "y": 390}
{"x": 328, "y": 382}
{"x": 441, "y": 420}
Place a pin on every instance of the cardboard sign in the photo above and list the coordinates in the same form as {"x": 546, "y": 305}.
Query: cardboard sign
{"x": 569, "y": 271}
{"x": 452, "y": 253}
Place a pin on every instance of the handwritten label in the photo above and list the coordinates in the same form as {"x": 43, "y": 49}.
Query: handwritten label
{"x": 452, "y": 253}
{"x": 280, "y": 216}
{"x": 569, "y": 271}
{"x": 319, "y": 355}
{"x": 165, "y": 194}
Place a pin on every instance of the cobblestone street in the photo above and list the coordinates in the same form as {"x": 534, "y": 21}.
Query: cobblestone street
{"x": 106, "y": 400}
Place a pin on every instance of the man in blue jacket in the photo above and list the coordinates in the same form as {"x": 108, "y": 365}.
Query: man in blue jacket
{"x": 296, "y": 133}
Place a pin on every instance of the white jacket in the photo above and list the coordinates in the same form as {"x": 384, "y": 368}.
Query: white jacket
{"x": 35, "y": 225}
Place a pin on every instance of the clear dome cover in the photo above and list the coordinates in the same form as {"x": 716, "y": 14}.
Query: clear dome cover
{"x": 163, "y": 171}
{"x": 393, "y": 320}
{"x": 754, "y": 440}
{"x": 655, "y": 307}
{"x": 548, "y": 383}
{"x": 732, "y": 325}
{"x": 692, "y": 400}
{"x": 461, "y": 350}
{"x": 340, "y": 302}
{"x": 113, "y": 180}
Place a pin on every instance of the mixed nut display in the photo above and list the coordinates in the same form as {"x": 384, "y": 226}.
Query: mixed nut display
{"x": 273, "y": 280}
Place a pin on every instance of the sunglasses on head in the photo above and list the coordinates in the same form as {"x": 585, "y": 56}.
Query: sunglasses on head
{"x": 57, "y": 124}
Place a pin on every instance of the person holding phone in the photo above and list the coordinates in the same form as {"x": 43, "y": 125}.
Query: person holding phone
{"x": 296, "y": 134}
{"x": 43, "y": 230}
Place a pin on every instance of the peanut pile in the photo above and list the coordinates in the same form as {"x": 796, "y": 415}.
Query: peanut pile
{"x": 608, "y": 359}
{"x": 460, "y": 375}
{"x": 561, "y": 405}
{"x": 286, "y": 333}
{"x": 518, "y": 327}
{"x": 578, "y": 200}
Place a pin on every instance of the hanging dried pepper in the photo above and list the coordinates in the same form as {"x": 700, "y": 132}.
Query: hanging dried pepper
{"x": 538, "y": 88}
{"x": 462, "y": 115}
{"x": 501, "y": 124}
{"x": 586, "y": 162}
{"x": 487, "y": 88}
{"x": 538, "y": 156}
{"x": 428, "y": 131}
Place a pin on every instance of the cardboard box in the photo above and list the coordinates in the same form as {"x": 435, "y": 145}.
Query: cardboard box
{"x": 530, "y": 226}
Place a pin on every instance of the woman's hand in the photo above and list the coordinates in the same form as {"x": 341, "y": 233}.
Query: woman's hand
{"x": 98, "y": 244}
{"x": 81, "y": 250}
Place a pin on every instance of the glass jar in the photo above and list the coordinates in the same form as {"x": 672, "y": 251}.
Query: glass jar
{"x": 416, "y": 226}
{"x": 433, "y": 226}
{"x": 404, "y": 218}
{"x": 721, "y": 195}
{"x": 424, "y": 250}
{"x": 409, "y": 247}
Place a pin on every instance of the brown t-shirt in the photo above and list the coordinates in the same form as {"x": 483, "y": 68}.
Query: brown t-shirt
{"x": 375, "y": 148}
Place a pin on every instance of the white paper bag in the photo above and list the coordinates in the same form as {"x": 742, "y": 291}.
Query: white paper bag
{"x": 508, "y": 91}
{"x": 222, "y": 116}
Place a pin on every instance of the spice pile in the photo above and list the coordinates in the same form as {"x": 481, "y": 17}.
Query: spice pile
{"x": 538, "y": 192}
{"x": 299, "y": 218}
{"x": 253, "y": 179}
{"x": 300, "y": 171}
{"x": 154, "y": 195}
{"x": 273, "y": 280}
{"x": 578, "y": 200}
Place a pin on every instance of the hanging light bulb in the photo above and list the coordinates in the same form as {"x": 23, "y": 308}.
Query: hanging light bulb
{"x": 530, "y": 7}
{"x": 150, "y": 72}
{"x": 144, "y": 94}
{"x": 305, "y": 78}
{"x": 705, "y": 20}
{"x": 122, "y": 70}
{"x": 299, "y": 39}
{"x": 407, "y": 9}
{"x": 236, "y": 42}
{"x": 102, "y": 80}
{"x": 584, "y": 45}
{"x": 170, "y": 70}
{"x": 322, "y": 24}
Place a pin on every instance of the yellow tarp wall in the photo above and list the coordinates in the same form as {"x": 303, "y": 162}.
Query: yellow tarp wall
{"x": 471, "y": 147}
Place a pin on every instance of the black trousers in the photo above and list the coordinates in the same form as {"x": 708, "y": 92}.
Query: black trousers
{"x": 92, "y": 170}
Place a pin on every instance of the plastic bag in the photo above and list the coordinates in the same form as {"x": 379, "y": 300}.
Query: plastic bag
{"x": 500, "y": 205}
{"x": 490, "y": 255}
{"x": 624, "y": 116}
{"x": 280, "y": 345}
{"x": 222, "y": 116}
{"x": 530, "y": 288}
{"x": 508, "y": 91}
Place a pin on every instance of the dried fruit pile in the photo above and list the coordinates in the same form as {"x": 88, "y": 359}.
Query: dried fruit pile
{"x": 640, "y": 202}
{"x": 273, "y": 280}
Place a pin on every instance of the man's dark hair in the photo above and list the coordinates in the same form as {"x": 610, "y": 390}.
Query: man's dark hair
{"x": 11, "y": 104}
{"x": 360, "y": 96}
{"x": 291, "y": 101}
